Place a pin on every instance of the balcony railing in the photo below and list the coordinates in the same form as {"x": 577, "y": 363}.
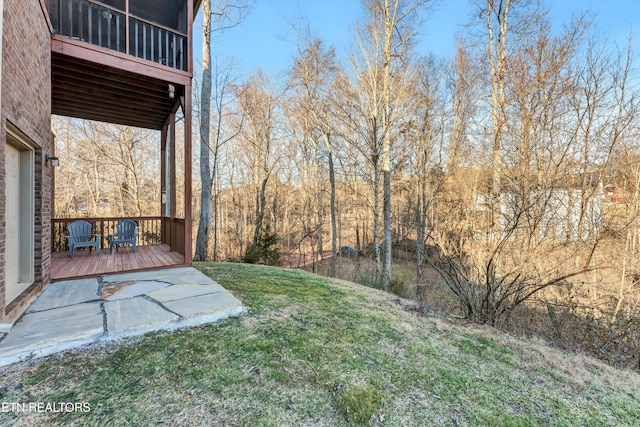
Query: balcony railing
{"x": 95, "y": 23}
{"x": 149, "y": 230}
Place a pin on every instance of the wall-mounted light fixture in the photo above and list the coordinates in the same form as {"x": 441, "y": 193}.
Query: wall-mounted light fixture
{"x": 163, "y": 197}
{"x": 172, "y": 91}
{"x": 53, "y": 161}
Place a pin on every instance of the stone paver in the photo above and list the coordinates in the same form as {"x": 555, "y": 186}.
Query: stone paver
{"x": 135, "y": 314}
{"x": 55, "y": 327}
{"x": 175, "y": 292}
{"x": 203, "y": 304}
{"x": 68, "y": 292}
{"x": 136, "y": 289}
{"x": 199, "y": 279}
{"x": 72, "y": 313}
{"x": 160, "y": 275}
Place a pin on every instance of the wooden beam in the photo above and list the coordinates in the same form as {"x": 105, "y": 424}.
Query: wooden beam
{"x": 72, "y": 79}
{"x": 163, "y": 172}
{"x": 85, "y": 71}
{"x": 118, "y": 120}
{"x": 88, "y": 52}
{"x": 150, "y": 111}
{"x": 172, "y": 167}
{"x": 110, "y": 99}
{"x": 85, "y": 107}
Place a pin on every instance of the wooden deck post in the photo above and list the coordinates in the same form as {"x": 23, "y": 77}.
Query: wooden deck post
{"x": 172, "y": 183}
{"x": 164, "y": 232}
{"x": 188, "y": 247}
{"x": 188, "y": 236}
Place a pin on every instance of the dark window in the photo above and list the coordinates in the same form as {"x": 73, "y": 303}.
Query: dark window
{"x": 168, "y": 13}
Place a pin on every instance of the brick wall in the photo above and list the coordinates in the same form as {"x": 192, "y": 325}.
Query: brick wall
{"x": 26, "y": 103}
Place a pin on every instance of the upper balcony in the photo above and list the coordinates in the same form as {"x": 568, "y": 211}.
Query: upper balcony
{"x": 121, "y": 61}
{"x": 153, "y": 30}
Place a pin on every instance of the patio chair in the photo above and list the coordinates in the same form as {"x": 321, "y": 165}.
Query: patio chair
{"x": 125, "y": 235}
{"x": 80, "y": 236}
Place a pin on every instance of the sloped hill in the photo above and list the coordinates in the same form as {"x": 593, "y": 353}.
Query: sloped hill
{"x": 318, "y": 352}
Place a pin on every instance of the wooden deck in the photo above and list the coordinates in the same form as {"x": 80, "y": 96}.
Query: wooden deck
{"x": 85, "y": 264}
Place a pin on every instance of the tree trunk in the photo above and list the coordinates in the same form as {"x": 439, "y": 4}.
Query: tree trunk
{"x": 421, "y": 220}
{"x": 386, "y": 200}
{"x": 261, "y": 201}
{"x": 334, "y": 231}
{"x": 497, "y": 57}
{"x": 214, "y": 209}
{"x": 389, "y": 25}
{"x": 376, "y": 221}
{"x": 319, "y": 215}
{"x": 202, "y": 237}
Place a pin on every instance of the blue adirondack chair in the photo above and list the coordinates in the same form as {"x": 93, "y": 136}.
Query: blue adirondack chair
{"x": 80, "y": 236}
{"x": 125, "y": 235}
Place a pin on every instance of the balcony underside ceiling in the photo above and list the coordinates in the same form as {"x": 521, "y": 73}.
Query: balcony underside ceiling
{"x": 92, "y": 91}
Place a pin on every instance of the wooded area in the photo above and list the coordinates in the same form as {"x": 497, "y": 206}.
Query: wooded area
{"x": 472, "y": 184}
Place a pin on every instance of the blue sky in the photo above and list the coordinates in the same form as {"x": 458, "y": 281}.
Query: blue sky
{"x": 267, "y": 38}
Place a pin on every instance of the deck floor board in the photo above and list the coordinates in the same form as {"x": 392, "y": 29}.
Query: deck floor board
{"x": 90, "y": 264}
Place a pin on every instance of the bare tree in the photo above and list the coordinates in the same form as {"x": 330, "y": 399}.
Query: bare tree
{"x": 496, "y": 14}
{"x": 384, "y": 46}
{"x": 360, "y": 108}
{"x": 423, "y": 134}
{"x": 313, "y": 74}
{"x": 535, "y": 238}
{"x": 226, "y": 14}
{"x": 397, "y": 23}
{"x": 259, "y": 104}
{"x": 463, "y": 84}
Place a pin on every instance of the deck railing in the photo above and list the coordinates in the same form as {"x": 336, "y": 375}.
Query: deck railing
{"x": 149, "y": 230}
{"x": 95, "y": 23}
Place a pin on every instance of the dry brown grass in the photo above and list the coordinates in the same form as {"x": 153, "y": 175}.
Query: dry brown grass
{"x": 569, "y": 318}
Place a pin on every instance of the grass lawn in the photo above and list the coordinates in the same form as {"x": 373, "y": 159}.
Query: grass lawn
{"x": 317, "y": 352}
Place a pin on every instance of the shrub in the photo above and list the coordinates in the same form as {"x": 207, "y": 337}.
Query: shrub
{"x": 265, "y": 250}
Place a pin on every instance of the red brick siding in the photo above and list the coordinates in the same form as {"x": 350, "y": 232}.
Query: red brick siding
{"x": 26, "y": 103}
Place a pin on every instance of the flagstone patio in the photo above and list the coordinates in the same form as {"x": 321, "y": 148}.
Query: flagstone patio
{"x": 73, "y": 313}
